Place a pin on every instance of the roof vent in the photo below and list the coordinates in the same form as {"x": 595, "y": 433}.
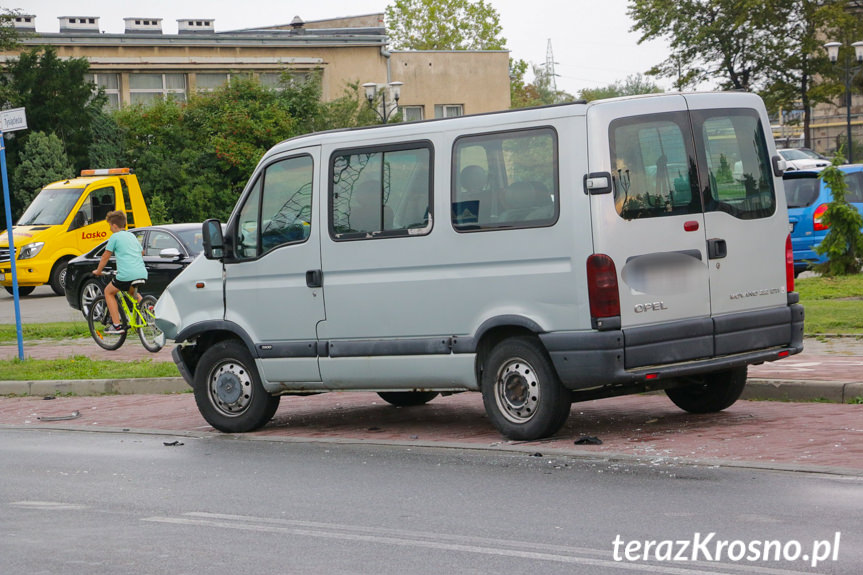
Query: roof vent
{"x": 78, "y": 24}
{"x": 143, "y": 25}
{"x": 297, "y": 23}
{"x": 195, "y": 26}
{"x": 25, "y": 22}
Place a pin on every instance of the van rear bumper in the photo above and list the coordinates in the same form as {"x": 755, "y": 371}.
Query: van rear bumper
{"x": 660, "y": 353}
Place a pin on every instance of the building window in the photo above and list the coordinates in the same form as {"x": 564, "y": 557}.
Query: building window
{"x": 209, "y": 81}
{"x": 411, "y": 113}
{"x": 145, "y": 88}
{"x": 275, "y": 81}
{"x": 111, "y": 84}
{"x": 448, "y": 110}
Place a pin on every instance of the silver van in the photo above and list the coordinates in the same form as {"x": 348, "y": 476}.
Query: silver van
{"x": 539, "y": 256}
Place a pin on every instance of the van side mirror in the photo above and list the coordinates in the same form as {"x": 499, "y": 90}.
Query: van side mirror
{"x": 214, "y": 241}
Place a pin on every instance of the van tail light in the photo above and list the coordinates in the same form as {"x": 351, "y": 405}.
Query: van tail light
{"x": 789, "y": 265}
{"x": 816, "y": 218}
{"x": 602, "y": 286}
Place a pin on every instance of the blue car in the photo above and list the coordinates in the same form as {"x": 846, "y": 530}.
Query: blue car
{"x": 807, "y": 197}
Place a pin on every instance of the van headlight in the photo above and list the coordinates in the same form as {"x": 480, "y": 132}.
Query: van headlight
{"x": 30, "y": 250}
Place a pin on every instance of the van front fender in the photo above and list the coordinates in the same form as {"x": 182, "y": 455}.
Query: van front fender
{"x": 212, "y": 331}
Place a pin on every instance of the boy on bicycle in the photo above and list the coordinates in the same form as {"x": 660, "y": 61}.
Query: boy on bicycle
{"x": 130, "y": 266}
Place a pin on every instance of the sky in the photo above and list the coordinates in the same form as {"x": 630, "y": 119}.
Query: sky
{"x": 591, "y": 41}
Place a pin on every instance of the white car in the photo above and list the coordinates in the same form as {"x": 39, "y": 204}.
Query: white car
{"x": 799, "y": 160}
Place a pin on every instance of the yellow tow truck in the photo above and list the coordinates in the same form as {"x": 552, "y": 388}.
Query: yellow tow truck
{"x": 67, "y": 219}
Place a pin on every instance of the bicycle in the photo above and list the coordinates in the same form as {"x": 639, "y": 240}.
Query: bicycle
{"x": 133, "y": 315}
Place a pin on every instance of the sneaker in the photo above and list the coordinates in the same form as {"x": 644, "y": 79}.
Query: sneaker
{"x": 115, "y": 329}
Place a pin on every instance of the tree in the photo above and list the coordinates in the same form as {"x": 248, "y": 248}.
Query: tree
{"x": 42, "y": 162}
{"x": 770, "y": 47}
{"x": 8, "y": 33}
{"x": 194, "y": 158}
{"x": 709, "y": 39}
{"x": 794, "y": 57}
{"x": 633, "y": 84}
{"x": 57, "y": 97}
{"x": 444, "y": 25}
{"x": 843, "y": 244}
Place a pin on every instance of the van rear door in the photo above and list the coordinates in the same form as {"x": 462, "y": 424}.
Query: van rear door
{"x": 651, "y": 222}
{"x": 744, "y": 203}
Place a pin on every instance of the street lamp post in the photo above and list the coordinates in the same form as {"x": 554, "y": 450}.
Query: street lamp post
{"x": 393, "y": 89}
{"x": 850, "y": 73}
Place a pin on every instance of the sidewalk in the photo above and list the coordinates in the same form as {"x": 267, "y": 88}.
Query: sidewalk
{"x": 829, "y": 370}
{"x": 645, "y": 429}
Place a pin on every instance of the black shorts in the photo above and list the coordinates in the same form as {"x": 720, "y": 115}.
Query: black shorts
{"x": 121, "y": 285}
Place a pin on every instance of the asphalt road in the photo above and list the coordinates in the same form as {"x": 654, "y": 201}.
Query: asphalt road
{"x": 103, "y": 503}
{"x": 41, "y": 306}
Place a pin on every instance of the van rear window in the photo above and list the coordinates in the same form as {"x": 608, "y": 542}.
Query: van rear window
{"x": 735, "y": 163}
{"x": 653, "y": 167}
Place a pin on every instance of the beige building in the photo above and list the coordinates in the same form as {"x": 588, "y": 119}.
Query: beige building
{"x": 144, "y": 63}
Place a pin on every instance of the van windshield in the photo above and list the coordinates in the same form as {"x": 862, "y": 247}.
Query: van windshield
{"x": 51, "y": 207}
{"x": 802, "y": 192}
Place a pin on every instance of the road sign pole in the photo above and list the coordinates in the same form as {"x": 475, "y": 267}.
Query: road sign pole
{"x": 9, "y": 234}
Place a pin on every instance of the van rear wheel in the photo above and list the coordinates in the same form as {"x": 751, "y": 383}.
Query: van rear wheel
{"x": 228, "y": 389}
{"x": 521, "y": 391}
{"x": 710, "y": 393}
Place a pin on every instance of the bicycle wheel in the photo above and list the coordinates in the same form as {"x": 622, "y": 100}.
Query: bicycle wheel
{"x": 99, "y": 320}
{"x": 151, "y": 336}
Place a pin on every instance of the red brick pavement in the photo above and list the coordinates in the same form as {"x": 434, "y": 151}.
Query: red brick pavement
{"x": 807, "y": 436}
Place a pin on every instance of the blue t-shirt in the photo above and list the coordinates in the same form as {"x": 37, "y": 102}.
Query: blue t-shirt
{"x": 127, "y": 249}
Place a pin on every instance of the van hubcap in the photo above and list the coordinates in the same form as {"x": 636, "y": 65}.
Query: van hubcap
{"x": 517, "y": 390}
{"x": 230, "y": 388}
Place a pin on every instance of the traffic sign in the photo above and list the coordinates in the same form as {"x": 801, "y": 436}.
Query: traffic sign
{"x": 14, "y": 119}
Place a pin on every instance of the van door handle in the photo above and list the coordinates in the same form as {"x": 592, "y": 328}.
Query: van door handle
{"x": 315, "y": 278}
{"x": 716, "y": 249}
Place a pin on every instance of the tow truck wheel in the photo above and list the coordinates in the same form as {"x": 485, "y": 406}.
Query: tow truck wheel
{"x": 58, "y": 278}
{"x": 22, "y": 290}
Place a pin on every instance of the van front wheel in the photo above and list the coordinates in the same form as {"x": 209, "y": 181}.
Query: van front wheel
{"x": 228, "y": 389}
{"x": 522, "y": 394}
{"x": 710, "y": 393}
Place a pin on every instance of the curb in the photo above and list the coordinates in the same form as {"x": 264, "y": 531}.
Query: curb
{"x": 802, "y": 390}
{"x": 757, "y": 389}
{"x": 83, "y": 387}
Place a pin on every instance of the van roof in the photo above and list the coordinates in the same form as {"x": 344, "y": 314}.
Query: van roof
{"x": 469, "y": 121}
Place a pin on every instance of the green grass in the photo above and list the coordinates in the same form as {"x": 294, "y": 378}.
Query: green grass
{"x": 81, "y": 367}
{"x": 833, "y": 305}
{"x": 818, "y": 288}
{"x": 43, "y": 331}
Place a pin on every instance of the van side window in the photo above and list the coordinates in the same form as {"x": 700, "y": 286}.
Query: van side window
{"x": 380, "y": 192}
{"x": 278, "y": 209}
{"x": 505, "y": 180}
{"x": 653, "y": 167}
{"x": 736, "y": 164}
